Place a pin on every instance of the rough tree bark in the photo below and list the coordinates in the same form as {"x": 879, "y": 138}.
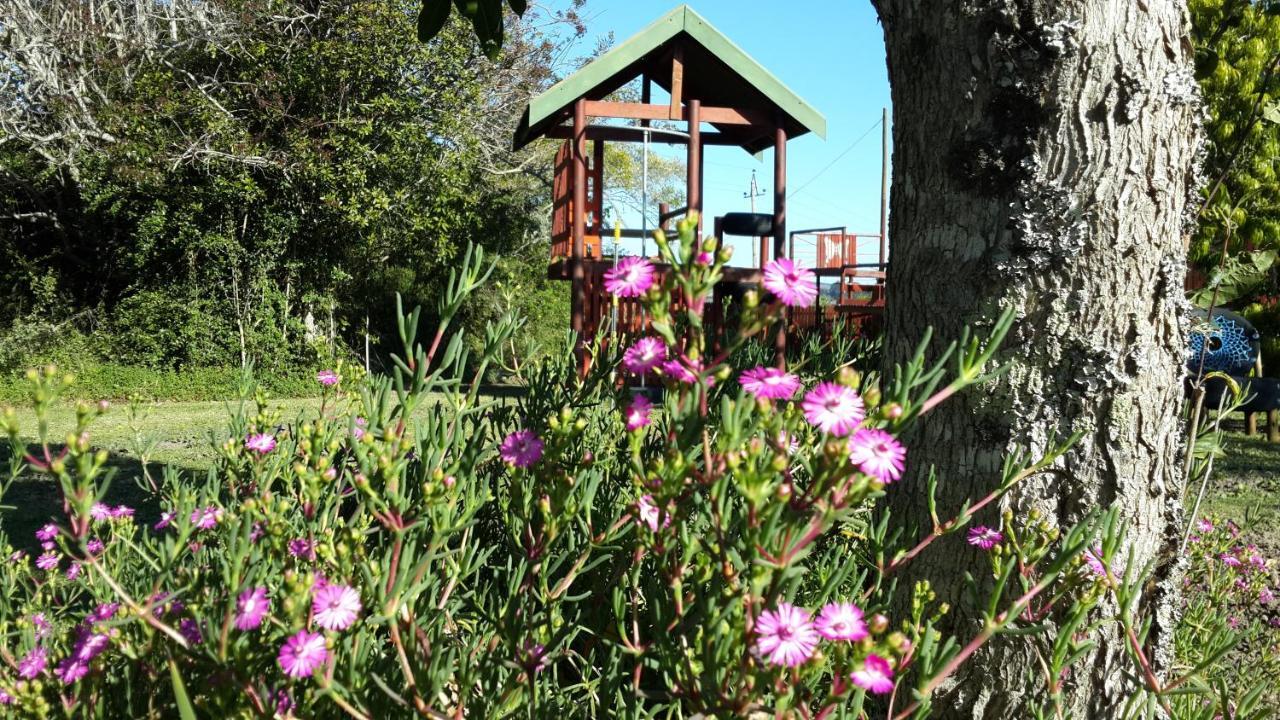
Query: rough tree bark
{"x": 1044, "y": 158}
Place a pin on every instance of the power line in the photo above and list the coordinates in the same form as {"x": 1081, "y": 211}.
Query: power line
{"x": 837, "y": 159}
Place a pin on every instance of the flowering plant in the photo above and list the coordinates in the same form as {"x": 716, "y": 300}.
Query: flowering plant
{"x": 716, "y": 547}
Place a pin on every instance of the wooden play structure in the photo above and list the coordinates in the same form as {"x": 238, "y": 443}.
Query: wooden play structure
{"x": 709, "y": 82}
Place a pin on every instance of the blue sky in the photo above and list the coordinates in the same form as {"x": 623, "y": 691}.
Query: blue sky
{"x": 831, "y": 53}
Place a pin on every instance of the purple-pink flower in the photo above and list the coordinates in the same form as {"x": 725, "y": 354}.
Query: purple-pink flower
{"x": 791, "y": 284}
{"x": 785, "y": 636}
{"x": 190, "y": 630}
{"x": 206, "y": 518}
{"x": 261, "y": 443}
{"x": 637, "y": 414}
{"x": 121, "y": 511}
{"x": 630, "y": 277}
{"x": 335, "y": 607}
{"x": 984, "y": 537}
{"x": 33, "y": 663}
{"x": 878, "y": 454}
{"x": 521, "y": 448}
{"x": 770, "y": 382}
{"x": 841, "y": 621}
{"x": 302, "y": 548}
{"x": 302, "y": 653}
{"x": 1230, "y": 560}
{"x": 251, "y": 607}
{"x": 73, "y": 571}
{"x": 48, "y": 561}
{"x": 833, "y": 408}
{"x": 94, "y": 546}
{"x": 1093, "y": 558}
{"x": 47, "y": 533}
{"x": 644, "y": 355}
{"x": 1204, "y": 525}
{"x": 876, "y": 675}
{"x": 166, "y": 518}
{"x": 327, "y": 378}
{"x": 648, "y": 513}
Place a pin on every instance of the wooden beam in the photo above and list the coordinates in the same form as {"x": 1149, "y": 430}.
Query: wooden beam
{"x": 577, "y": 222}
{"x": 649, "y": 111}
{"x": 674, "y": 112}
{"x": 694, "y": 167}
{"x": 614, "y": 133}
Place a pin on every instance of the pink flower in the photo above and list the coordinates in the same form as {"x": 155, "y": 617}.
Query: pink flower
{"x": 704, "y": 259}
{"x": 876, "y": 676}
{"x": 1093, "y": 558}
{"x": 637, "y": 413}
{"x": 327, "y": 378}
{"x": 302, "y": 548}
{"x": 770, "y": 383}
{"x": 833, "y": 408}
{"x": 335, "y": 607}
{"x": 984, "y": 537}
{"x": 841, "y": 621}
{"x": 684, "y": 370}
{"x": 6, "y": 698}
{"x": 94, "y": 546}
{"x": 302, "y": 654}
{"x": 166, "y": 518}
{"x": 648, "y": 513}
{"x": 47, "y": 533}
{"x": 358, "y": 431}
{"x": 1229, "y": 560}
{"x": 48, "y": 561}
{"x": 261, "y": 443}
{"x": 794, "y": 286}
{"x": 878, "y": 454}
{"x": 1265, "y": 596}
{"x": 191, "y": 631}
{"x": 70, "y": 670}
{"x": 521, "y": 448}
{"x": 785, "y": 636}
{"x": 1204, "y": 526}
{"x": 33, "y": 663}
{"x": 102, "y": 613}
{"x": 41, "y": 625}
{"x": 100, "y": 511}
{"x": 631, "y": 277}
{"x": 121, "y": 511}
{"x": 644, "y": 355}
{"x": 251, "y": 607}
{"x": 73, "y": 571}
{"x": 788, "y": 442}
{"x": 206, "y": 518}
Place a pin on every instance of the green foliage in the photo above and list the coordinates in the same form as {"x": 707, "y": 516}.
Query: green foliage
{"x": 1237, "y": 46}
{"x": 271, "y": 188}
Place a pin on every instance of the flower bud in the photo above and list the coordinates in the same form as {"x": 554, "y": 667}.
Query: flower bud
{"x": 893, "y": 411}
{"x": 879, "y": 623}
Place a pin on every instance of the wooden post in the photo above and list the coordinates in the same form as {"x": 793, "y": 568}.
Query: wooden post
{"x": 1251, "y": 424}
{"x": 578, "y": 223}
{"x": 780, "y": 226}
{"x": 884, "y": 188}
{"x": 694, "y": 177}
{"x": 1273, "y": 426}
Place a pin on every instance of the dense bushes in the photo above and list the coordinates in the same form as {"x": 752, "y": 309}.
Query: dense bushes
{"x": 586, "y": 551}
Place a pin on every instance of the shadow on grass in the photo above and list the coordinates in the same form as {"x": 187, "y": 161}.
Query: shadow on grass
{"x": 35, "y": 499}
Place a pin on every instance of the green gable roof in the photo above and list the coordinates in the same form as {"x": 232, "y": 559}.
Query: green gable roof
{"x": 716, "y": 71}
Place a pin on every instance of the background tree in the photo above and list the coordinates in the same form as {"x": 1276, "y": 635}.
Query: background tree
{"x": 215, "y": 183}
{"x": 1043, "y": 160}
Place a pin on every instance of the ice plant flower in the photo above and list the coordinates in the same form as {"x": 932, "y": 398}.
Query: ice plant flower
{"x": 41, "y": 624}
{"x": 876, "y": 676}
{"x": 1229, "y": 560}
{"x": 261, "y": 443}
{"x": 521, "y": 448}
{"x": 792, "y": 285}
{"x": 833, "y": 408}
{"x": 327, "y": 378}
{"x": 70, "y": 670}
{"x": 206, "y": 518}
{"x": 335, "y": 607}
{"x": 100, "y": 511}
{"x": 770, "y": 383}
{"x": 637, "y": 413}
{"x": 631, "y": 277}
{"x": 121, "y": 511}
{"x": 166, "y": 518}
{"x": 648, "y": 513}
{"x": 33, "y": 663}
{"x": 251, "y": 607}
{"x": 94, "y": 546}
{"x": 644, "y": 355}
{"x": 984, "y": 537}
{"x": 47, "y": 533}
{"x": 48, "y": 561}
{"x": 1204, "y": 525}
{"x": 1093, "y": 558}
{"x": 841, "y": 621}
{"x": 785, "y": 636}
{"x": 302, "y": 653}
{"x": 191, "y": 631}
{"x": 302, "y": 548}
{"x": 878, "y": 454}
{"x": 73, "y": 571}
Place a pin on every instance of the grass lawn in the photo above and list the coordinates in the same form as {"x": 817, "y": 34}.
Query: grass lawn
{"x": 1245, "y": 487}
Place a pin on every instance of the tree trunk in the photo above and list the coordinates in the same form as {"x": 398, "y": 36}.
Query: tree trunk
{"x": 1044, "y": 157}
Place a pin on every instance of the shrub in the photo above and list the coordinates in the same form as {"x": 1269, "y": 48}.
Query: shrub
{"x": 585, "y": 551}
